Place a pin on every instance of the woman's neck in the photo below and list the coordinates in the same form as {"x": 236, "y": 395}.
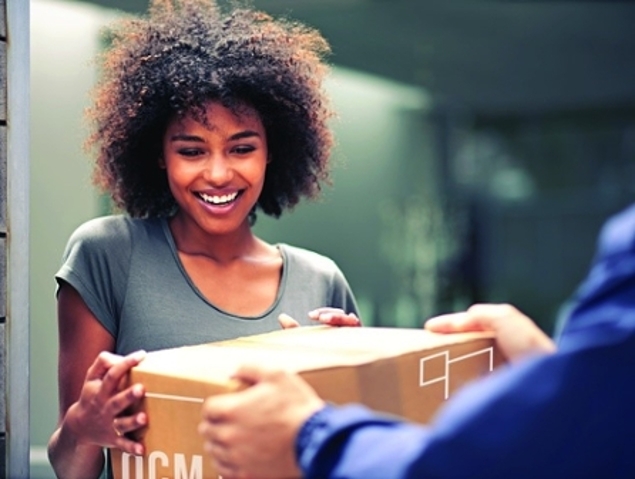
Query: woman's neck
{"x": 222, "y": 248}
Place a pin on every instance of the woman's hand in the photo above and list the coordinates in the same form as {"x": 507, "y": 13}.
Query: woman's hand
{"x": 103, "y": 414}
{"x": 329, "y": 316}
{"x": 93, "y": 399}
{"x": 517, "y": 336}
{"x": 334, "y": 317}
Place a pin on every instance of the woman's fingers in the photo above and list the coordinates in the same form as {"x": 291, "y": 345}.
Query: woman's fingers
{"x": 102, "y": 415}
{"x": 128, "y": 445}
{"x": 106, "y": 361}
{"x": 127, "y": 424}
{"x": 126, "y": 399}
{"x": 334, "y": 317}
{"x": 316, "y": 313}
{"x": 287, "y": 322}
{"x": 329, "y": 316}
{"x": 113, "y": 377}
{"x": 124, "y": 425}
{"x": 349, "y": 319}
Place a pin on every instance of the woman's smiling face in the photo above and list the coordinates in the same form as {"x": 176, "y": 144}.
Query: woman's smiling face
{"x": 216, "y": 171}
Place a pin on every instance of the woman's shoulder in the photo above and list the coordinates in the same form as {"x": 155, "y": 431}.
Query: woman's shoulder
{"x": 308, "y": 259}
{"x": 110, "y": 231}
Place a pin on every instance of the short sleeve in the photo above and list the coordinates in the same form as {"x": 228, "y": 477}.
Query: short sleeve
{"x": 96, "y": 263}
{"x": 313, "y": 280}
{"x": 341, "y": 294}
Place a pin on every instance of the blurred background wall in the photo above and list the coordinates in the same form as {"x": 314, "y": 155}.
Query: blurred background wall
{"x": 63, "y": 42}
{"x": 481, "y": 144}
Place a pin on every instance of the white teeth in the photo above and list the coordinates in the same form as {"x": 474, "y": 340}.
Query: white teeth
{"x": 219, "y": 200}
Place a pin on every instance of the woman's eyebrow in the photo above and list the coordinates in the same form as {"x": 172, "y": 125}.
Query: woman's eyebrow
{"x": 244, "y": 134}
{"x": 237, "y": 136}
{"x": 184, "y": 137}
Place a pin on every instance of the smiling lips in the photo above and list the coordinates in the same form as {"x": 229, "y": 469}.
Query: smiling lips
{"x": 219, "y": 200}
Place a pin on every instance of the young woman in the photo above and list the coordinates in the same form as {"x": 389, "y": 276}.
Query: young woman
{"x": 201, "y": 119}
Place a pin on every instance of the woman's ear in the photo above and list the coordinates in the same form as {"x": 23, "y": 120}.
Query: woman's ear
{"x": 161, "y": 162}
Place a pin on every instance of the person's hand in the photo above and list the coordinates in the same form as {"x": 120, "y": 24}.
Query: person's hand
{"x": 101, "y": 416}
{"x": 517, "y": 336}
{"x": 334, "y": 317}
{"x": 329, "y": 316}
{"x": 251, "y": 433}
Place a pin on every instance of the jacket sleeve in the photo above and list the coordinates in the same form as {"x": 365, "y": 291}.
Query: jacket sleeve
{"x": 550, "y": 417}
{"x": 565, "y": 415}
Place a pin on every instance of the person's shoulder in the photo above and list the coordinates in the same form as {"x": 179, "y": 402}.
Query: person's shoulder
{"x": 308, "y": 259}
{"x": 109, "y": 230}
{"x": 618, "y": 233}
{"x": 102, "y": 227}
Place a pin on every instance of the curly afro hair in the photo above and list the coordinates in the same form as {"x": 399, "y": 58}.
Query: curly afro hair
{"x": 186, "y": 53}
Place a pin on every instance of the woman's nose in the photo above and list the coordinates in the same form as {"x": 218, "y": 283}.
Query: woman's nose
{"x": 218, "y": 170}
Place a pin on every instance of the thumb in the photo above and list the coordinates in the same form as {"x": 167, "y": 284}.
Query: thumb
{"x": 452, "y": 323}
{"x": 250, "y": 374}
{"x": 287, "y": 322}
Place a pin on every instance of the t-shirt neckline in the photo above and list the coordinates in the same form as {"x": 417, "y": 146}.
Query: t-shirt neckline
{"x": 281, "y": 287}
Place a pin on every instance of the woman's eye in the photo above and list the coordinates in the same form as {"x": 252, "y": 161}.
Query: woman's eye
{"x": 190, "y": 152}
{"x": 243, "y": 149}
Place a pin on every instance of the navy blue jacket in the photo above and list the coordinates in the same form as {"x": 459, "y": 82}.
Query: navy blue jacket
{"x": 567, "y": 415}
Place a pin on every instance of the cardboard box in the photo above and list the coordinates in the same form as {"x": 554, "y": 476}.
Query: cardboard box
{"x": 404, "y": 372}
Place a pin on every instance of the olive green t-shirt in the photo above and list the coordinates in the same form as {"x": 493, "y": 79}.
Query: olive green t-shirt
{"x": 130, "y": 276}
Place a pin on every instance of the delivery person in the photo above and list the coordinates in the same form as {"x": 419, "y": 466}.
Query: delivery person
{"x": 560, "y": 414}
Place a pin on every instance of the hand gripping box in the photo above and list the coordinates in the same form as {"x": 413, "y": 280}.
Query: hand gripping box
{"x": 403, "y": 372}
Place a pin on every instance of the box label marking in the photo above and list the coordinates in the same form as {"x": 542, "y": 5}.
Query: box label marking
{"x": 161, "y": 459}
{"x": 445, "y": 357}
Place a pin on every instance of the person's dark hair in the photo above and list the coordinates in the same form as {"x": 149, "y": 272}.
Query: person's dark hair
{"x": 187, "y": 52}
